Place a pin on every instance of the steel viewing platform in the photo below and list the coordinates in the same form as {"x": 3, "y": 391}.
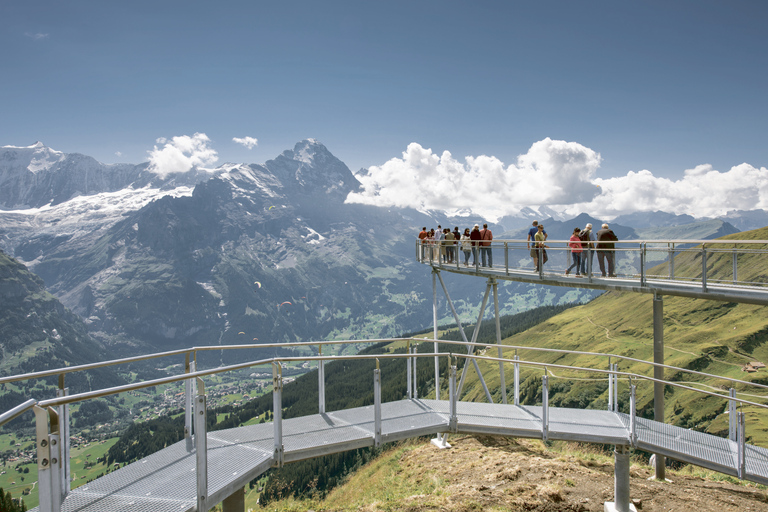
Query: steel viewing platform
{"x": 207, "y": 468}
{"x": 702, "y": 269}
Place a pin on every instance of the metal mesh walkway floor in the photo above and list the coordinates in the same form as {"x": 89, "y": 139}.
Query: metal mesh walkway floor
{"x": 165, "y": 480}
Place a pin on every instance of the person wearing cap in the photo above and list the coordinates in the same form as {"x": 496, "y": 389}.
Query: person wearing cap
{"x": 587, "y": 238}
{"x": 475, "y": 236}
{"x": 606, "y": 250}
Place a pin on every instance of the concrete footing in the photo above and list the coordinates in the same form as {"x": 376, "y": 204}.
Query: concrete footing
{"x": 441, "y": 441}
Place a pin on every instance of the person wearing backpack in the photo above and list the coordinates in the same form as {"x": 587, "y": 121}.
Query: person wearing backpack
{"x": 485, "y": 246}
{"x": 587, "y": 237}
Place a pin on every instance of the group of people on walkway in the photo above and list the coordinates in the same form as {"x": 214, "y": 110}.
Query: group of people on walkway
{"x": 444, "y": 245}
{"x": 582, "y": 245}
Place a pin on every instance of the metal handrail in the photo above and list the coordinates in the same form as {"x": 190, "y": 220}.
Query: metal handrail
{"x": 71, "y": 369}
{"x": 167, "y": 380}
{"x": 612, "y": 372}
{"x": 126, "y": 360}
{"x": 602, "y": 354}
{"x": 17, "y": 411}
{"x": 68, "y": 399}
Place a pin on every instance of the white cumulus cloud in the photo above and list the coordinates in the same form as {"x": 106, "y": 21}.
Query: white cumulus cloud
{"x": 551, "y": 172}
{"x": 181, "y": 153}
{"x": 248, "y": 142}
{"x": 37, "y": 36}
{"x": 701, "y": 192}
{"x": 556, "y": 174}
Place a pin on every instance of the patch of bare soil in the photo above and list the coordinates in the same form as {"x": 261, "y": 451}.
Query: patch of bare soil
{"x": 497, "y": 473}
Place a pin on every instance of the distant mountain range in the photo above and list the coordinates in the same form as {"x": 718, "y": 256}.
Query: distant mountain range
{"x": 245, "y": 253}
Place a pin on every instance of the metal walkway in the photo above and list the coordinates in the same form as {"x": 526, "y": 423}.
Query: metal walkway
{"x": 165, "y": 481}
{"x": 709, "y": 270}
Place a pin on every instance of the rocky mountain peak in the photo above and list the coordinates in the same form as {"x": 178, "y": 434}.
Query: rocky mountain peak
{"x": 311, "y": 169}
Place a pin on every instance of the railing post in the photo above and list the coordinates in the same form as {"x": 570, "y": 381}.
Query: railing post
{"x": 201, "y": 447}
{"x": 48, "y": 459}
{"x": 610, "y": 385}
{"x": 544, "y": 406}
{"x": 732, "y": 418}
{"x": 506, "y": 258}
{"x": 321, "y": 383}
{"x": 615, "y": 388}
{"x": 633, "y": 413}
{"x": 643, "y": 248}
{"x": 742, "y": 446}
{"x": 658, "y": 374}
{"x": 415, "y": 379}
{"x": 672, "y": 261}
{"x": 735, "y": 277}
{"x": 408, "y": 371}
{"x": 517, "y": 380}
{"x": 63, "y": 411}
{"x": 189, "y": 392}
{"x": 277, "y": 412}
{"x": 453, "y": 422}
{"x": 703, "y": 268}
{"x": 377, "y": 405}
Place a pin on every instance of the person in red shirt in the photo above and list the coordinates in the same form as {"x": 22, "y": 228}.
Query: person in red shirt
{"x": 574, "y": 244}
{"x": 423, "y": 238}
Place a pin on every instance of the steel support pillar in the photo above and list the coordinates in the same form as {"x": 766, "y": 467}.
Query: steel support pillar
{"x": 434, "y": 333}
{"x": 503, "y": 381}
{"x": 235, "y": 502}
{"x": 621, "y": 482}
{"x": 377, "y": 405}
{"x": 321, "y": 383}
{"x": 658, "y": 374}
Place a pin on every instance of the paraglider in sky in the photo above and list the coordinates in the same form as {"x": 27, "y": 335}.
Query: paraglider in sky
{"x": 283, "y": 303}
{"x": 255, "y": 339}
{"x": 241, "y": 332}
{"x": 257, "y": 283}
{"x": 270, "y": 207}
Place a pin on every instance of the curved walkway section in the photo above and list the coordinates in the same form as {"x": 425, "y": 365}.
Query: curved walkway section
{"x": 165, "y": 481}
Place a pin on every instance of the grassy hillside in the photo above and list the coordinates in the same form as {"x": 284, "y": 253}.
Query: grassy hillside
{"x": 486, "y": 473}
{"x": 708, "y": 336}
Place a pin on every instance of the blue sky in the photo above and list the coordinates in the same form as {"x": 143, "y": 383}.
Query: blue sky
{"x": 657, "y": 86}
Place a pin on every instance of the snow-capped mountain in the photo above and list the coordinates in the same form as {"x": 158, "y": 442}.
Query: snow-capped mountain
{"x": 240, "y": 253}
